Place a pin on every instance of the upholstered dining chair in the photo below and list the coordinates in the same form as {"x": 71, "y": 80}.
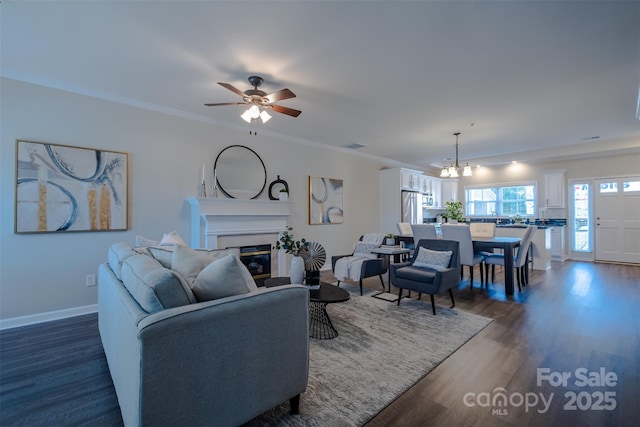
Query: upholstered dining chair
{"x": 519, "y": 260}
{"x": 361, "y": 263}
{"x": 462, "y": 234}
{"x": 404, "y": 229}
{"x": 423, "y": 231}
{"x": 433, "y": 269}
{"x": 482, "y": 229}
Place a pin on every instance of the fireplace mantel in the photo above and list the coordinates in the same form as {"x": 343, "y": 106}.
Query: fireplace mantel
{"x": 214, "y": 217}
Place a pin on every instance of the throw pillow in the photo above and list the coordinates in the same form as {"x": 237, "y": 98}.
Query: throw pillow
{"x": 188, "y": 263}
{"x": 223, "y": 277}
{"x": 142, "y": 241}
{"x": 435, "y": 260}
{"x": 364, "y": 250}
{"x": 172, "y": 238}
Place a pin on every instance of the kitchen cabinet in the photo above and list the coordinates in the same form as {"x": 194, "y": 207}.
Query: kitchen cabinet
{"x": 554, "y": 189}
{"x": 436, "y": 191}
{"x": 410, "y": 179}
{"x": 425, "y": 184}
{"x": 557, "y": 243}
{"x": 449, "y": 190}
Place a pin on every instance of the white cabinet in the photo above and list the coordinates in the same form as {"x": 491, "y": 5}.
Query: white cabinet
{"x": 410, "y": 179}
{"x": 557, "y": 244}
{"x": 554, "y": 189}
{"x": 449, "y": 190}
{"x": 425, "y": 184}
{"x": 436, "y": 191}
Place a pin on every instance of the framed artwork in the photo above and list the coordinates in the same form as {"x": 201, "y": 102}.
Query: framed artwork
{"x": 60, "y": 188}
{"x": 325, "y": 200}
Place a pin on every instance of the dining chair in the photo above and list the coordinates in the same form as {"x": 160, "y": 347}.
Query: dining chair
{"x": 519, "y": 260}
{"x": 462, "y": 234}
{"x": 423, "y": 231}
{"x": 482, "y": 229}
{"x": 404, "y": 229}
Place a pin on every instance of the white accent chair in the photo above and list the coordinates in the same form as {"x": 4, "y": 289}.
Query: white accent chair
{"x": 461, "y": 233}
{"x": 405, "y": 229}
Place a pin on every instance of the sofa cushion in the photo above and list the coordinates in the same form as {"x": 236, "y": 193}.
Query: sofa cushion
{"x": 436, "y": 260}
{"x": 118, "y": 252}
{"x": 189, "y": 262}
{"x": 223, "y": 277}
{"x": 417, "y": 274}
{"x": 154, "y": 287}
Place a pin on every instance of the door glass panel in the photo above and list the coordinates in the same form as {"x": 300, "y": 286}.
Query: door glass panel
{"x": 581, "y": 236}
{"x": 631, "y": 186}
{"x": 609, "y": 187}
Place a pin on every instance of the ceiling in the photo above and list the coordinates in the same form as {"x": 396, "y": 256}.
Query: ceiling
{"x": 521, "y": 80}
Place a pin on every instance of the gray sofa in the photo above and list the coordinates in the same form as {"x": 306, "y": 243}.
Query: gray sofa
{"x": 176, "y": 361}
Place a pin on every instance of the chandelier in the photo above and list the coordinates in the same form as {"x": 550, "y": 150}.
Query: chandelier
{"x": 452, "y": 170}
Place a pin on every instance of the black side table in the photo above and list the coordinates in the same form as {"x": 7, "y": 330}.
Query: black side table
{"x": 320, "y": 325}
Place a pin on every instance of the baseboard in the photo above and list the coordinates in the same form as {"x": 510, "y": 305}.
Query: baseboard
{"x": 31, "y": 319}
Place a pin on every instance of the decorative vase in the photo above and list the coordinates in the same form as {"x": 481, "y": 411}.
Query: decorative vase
{"x": 390, "y": 241}
{"x": 296, "y": 270}
{"x": 283, "y": 196}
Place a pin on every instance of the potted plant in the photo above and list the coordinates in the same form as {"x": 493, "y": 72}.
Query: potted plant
{"x": 390, "y": 239}
{"x": 283, "y": 195}
{"x": 293, "y": 247}
{"x": 517, "y": 219}
{"x": 453, "y": 211}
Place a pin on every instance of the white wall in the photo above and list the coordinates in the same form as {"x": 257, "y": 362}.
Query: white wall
{"x": 42, "y": 273}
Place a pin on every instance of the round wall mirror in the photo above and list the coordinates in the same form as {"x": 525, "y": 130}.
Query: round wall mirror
{"x": 240, "y": 173}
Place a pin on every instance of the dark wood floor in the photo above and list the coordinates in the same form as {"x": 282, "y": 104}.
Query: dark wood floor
{"x": 576, "y": 315}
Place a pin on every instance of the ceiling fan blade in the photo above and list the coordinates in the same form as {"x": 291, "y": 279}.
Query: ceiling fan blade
{"x": 225, "y": 103}
{"x": 232, "y": 88}
{"x": 279, "y": 95}
{"x": 286, "y": 110}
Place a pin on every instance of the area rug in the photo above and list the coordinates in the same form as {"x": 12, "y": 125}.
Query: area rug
{"x": 382, "y": 350}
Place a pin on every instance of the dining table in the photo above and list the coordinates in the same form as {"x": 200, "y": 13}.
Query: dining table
{"x": 508, "y": 245}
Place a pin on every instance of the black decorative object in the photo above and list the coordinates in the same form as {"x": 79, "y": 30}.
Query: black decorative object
{"x": 273, "y": 184}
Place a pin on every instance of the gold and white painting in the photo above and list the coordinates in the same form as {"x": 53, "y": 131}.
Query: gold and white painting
{"x": 325, "y": 200}
{"x": 64, "y": 188}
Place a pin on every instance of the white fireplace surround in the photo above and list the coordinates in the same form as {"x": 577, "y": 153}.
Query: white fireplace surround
{"x": 219, "y": 223}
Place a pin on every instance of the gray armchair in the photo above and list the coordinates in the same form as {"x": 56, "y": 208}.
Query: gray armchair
{"x": 426, "y": 280}
{"x": 361, "y": 263}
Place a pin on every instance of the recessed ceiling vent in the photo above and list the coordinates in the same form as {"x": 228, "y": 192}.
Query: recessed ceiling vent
{"x": 354, "y": 146}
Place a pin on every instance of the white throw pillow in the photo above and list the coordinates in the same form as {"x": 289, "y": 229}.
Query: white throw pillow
{"x": 188, "y": 263}
{"x": 223, "y": 277}
{"x": 142, "y": 241}
{"x": 172, "y": 238}
{"x": 435, "y": 260}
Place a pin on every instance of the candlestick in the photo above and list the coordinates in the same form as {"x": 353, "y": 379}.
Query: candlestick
{"x": 203, "y": 172}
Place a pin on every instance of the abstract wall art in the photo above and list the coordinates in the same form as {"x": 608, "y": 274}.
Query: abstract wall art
{"x": 60, "y": 188}
{"x": 325, "y": 200}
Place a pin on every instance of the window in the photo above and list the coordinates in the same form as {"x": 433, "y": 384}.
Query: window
{"x": 509, "y": 200}
{"x": 631, "y": 186}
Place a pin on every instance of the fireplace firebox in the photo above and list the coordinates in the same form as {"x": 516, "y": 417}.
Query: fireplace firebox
{"x": 257, "y": 259}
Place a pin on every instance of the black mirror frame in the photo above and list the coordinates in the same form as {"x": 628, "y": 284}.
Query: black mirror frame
{"x": 217, "y": 183}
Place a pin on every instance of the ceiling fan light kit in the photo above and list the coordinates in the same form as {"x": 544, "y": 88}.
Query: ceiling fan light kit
{"x": 452, "y": 171}
{"x": 259, "y": 101}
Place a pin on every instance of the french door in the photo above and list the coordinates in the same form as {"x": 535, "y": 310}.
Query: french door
{"x": 617, "y": 219}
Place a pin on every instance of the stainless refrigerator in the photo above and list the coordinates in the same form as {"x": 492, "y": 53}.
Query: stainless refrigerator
{"x": 411, "y": 207}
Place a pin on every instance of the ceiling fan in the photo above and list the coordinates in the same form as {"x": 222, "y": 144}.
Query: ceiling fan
{"x": 259, "y": 101}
